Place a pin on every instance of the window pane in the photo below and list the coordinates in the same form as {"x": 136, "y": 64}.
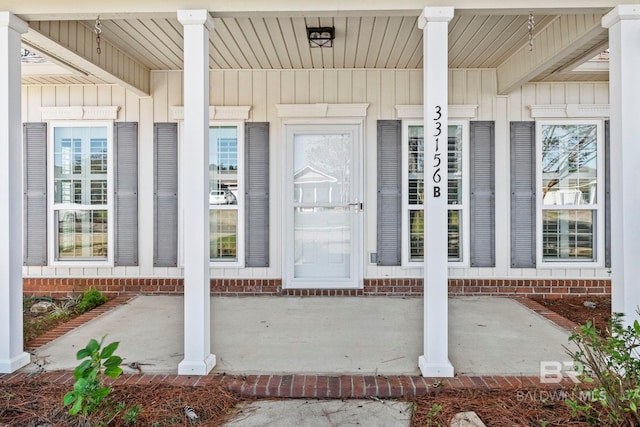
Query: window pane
{"x": 416, "y": 235}
{"x": 568, "y": 234}
{"x": 416, "y": 165}
{"x": 454, "y": 181}
{"x": 223, "y": 165}
{"x": 453, "y": 233}
{"x": 569, "y": 164}
{"x": 80, "y": 157}
{"x": 223, "y": 225}
{"x": 81, "y": 234}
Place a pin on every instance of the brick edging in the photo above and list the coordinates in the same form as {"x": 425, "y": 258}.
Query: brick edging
{"x": 62, "y": 329}
{"x": 312, "y": 386}
{"x": 548, "y": 314}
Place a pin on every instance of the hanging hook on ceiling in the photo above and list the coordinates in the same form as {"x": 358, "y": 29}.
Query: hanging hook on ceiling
{"x": 98, "y": 30}
{"x": 530, "y": 26}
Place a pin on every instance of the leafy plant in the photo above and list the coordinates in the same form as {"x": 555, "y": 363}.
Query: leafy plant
{"x": 131, "y": 416}
{"x": 433, "y": 412}
{"x": 90, "y": 300}
{"x": 612, "y": 361}
{"x": 89, "y": 391}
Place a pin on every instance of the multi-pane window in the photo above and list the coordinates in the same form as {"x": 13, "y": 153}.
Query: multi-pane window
{"x": 224, "y": 193}
{"x": 81, "y": 192}
{"x": 569, "y": 184}
{"x": 414, "y": 185}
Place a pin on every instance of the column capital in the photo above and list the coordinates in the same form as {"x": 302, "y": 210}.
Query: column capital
{"x": 435, "y": 14}
{"x": 620, "y": 13}
{"x": 8, "y": 19}
{"x": 195, "y": 17}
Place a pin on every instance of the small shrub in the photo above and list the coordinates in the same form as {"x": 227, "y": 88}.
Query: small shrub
{"x": 611, "y": 361}
{"x": 90, "y": 300}
{"x": 89, "y": 390}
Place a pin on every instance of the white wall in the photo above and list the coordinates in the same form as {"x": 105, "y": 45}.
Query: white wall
{"x": 263, "y": 89}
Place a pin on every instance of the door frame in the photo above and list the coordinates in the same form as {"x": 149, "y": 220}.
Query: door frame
{"x": 357, "y": 233}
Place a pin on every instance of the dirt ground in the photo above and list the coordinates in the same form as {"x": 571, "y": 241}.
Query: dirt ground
{"x": 34, "y": 403}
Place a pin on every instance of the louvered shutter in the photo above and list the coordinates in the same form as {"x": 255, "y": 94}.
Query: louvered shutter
{"x": 607, "y": 194}
{"x": 125, "y": 151}
{"x": 523, "y": 195}
{"x": 482, "y": 196}
{"x": 389, "y": 234}
{"x": 256, "y": 194}
{"x": 35, "y": 194}
{"x": 165, "y": 195}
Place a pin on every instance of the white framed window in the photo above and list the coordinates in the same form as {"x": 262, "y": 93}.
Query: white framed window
{"x": 413, "y": 192}
{"x": 80, "y": 180}
{"x": 226, "y": 193}
{"x": 570, "y": 181}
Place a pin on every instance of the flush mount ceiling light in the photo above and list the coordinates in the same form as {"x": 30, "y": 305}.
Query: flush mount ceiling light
{"x": 320, "y": 36}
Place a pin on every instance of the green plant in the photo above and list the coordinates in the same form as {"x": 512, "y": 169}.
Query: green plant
{"x": 131, "y": 416}
{"x": 90, "y": 300}
{"x": 611, "y": 361}
{"x": 89, "y": 390}
{"x": 433, "y": 412}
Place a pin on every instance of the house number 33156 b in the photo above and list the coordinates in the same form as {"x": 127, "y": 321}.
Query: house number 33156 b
{"x": 437, "y": 160}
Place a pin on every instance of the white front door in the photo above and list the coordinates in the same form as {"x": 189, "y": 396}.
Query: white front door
{"x": 323, "y": 207}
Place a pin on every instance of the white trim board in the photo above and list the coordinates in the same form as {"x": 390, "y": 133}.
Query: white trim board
{"x": 570, "y": 110}
{"x": 469, "y": 111}
{"x": 321, "y": 110}
{"x": 79, "y": 113}
{"x": 241, "y": 112}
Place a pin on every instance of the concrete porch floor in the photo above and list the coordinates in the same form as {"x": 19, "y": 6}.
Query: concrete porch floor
{"x": 321, "y": 335}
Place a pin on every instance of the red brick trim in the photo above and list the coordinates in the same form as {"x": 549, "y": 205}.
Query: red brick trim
{"x": 313, "y": 386}
{"x": 543, "y": 311}
{"x": 555, "y": 288}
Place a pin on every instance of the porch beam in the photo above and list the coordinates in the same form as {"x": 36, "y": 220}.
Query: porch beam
{"x": 565, "y": 36}
{"x": 12, "y": 355}
{"x": 434, "y": 362}
{"x": 194, "y": 167}
{"x": 623, "y": 23}
{"x": 73, "y": 45}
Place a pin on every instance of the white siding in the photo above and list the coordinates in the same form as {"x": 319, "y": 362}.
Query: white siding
{"x": 263, "y": 89}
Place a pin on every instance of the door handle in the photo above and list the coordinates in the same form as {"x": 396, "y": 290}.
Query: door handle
{"x": 359, "y": 205}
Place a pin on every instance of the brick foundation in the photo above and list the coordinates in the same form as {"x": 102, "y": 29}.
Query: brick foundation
{"x": 556, "y": 288}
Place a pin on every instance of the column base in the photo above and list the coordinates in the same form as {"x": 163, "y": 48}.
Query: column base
{"x": 428, "y": 369}
{"x": 196, "y": 367}
{"x": 12, "y": 365}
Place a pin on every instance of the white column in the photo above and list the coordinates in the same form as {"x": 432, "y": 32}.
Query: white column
{"x": 623, "y": 23}
{"x": 12, "y": 355}
{"x": 434, "y": 21}
{"x": 194, "y": 166}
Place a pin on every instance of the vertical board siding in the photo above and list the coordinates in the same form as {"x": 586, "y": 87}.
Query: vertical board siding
{"x": 35, "y": 194}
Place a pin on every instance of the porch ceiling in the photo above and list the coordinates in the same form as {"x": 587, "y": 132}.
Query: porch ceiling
{"x": 392, "y": 42}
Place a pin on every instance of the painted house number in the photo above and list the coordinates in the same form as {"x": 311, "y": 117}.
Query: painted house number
{"x": 437, "y": 160}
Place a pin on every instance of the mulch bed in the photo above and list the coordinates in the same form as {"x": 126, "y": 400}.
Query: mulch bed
{"x": 574, "y": 309}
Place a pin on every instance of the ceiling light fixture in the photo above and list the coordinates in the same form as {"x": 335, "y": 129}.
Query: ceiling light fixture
{"x": 320, "y": 36}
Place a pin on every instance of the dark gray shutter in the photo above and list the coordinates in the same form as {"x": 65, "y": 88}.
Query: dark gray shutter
{"x": 35, "y": 193}
{"x": 165, "y": 194}
{"x": 482, "y": 207}
{"x": 125, "y": 136}
{"x": 256, "y": 194}
{"x": 607, "y": 194}
{"x": 389, "y": 192}
{"x": 523, "y": 194}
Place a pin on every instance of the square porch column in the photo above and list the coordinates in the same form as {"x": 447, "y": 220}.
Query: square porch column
{"x": 12, "y": 355}
{"x": 623, "y": 23}
{"x": 434, "y": 21}
{"x": 194, "y": 167}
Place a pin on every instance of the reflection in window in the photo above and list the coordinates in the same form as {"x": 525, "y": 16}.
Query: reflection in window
{"x": 415, "y": 192}
{"x": 81, "y": 192}
{"x": 569, "y": 183}
{"x": 223, "y": 193}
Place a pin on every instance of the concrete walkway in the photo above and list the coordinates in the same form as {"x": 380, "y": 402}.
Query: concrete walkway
{"x": 334, "y": 347}
{"x": 333, "y": 335}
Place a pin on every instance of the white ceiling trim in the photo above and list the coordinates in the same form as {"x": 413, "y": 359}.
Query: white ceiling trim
{"x": 321, "y": 110}
{"x": 466, "y": 111}
{"x": 80, "y": 113}
{"x": 215, "y": 112}
{"x": 570, "y": 110}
